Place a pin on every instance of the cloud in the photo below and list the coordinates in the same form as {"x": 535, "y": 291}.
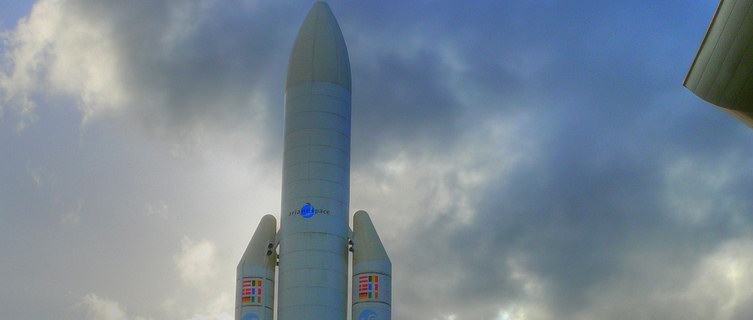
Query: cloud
{"x": 214, "y": 306}
{"x": 428, "y": 205}
{"x": 160, "y": 209}
{"x": 697, "y": 190}
{"x": 59, "y": 49}
{"x": 197, "y": 261}
{"x": 714, "y": 288}
{"x": 73, "y": 216}
{"x": 199, "y": 267}
{"x": 160, "y": 63}
{"x": 35, "y": 175}
{"x": 99, "y": 308}
{"x": 220, "y": 316}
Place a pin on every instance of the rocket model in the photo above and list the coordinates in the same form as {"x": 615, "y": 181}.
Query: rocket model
{"x": 311, "y": 248}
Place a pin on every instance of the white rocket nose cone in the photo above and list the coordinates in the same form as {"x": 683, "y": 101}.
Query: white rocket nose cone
{"x": 319, "y": 52}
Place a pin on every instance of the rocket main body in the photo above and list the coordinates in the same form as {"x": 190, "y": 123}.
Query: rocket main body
{"x": 316, "y": 173}
{"x": 314, "y": 232}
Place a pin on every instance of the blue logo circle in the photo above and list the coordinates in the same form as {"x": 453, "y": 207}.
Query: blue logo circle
{"x": 366, "y": 315}
{"x": 250, "y": 316}
{"x": 307, "y": 210}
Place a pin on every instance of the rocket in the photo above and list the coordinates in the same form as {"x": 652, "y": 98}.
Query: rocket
{"x": 302, "y": 268}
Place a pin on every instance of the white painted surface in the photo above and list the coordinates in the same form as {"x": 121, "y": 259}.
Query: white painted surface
{"x": 319, "y": 52}
{"x": 313, "y": 250}
{"x": 372, "y": 272}
{"x": 313, "y": 277}
{"x": 257, "y": 265}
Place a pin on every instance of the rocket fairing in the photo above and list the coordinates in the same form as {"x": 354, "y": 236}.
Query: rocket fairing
{"x": 314, "y": 236}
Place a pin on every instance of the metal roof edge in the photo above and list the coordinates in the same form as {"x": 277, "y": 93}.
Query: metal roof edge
{"x": 703, "y": 42}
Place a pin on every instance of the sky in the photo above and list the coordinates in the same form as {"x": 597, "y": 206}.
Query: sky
{"x": 521, "y": 160}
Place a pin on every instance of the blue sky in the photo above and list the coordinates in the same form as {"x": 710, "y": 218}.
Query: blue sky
{"x": 520, "y": 159}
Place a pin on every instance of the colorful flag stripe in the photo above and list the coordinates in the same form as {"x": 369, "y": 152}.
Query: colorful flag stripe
{"x": 251, "y": 291}
{"x": 368, "y": 295}
{"x": 368, "y": 287}
{"x": 251, "y": 299}
{"x": 252, "y": 283}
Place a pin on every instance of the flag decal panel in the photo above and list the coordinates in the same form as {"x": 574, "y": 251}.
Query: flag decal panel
{"x": 368, "y": 286}
{"x": 251, "y": 291}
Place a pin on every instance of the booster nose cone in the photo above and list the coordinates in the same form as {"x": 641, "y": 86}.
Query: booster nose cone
{"x": 319, "y": 52}
{"x": 256, "y": 272}
{"x": 372, "y": 272}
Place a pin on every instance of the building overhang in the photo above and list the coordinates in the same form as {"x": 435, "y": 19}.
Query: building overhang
{"x": 722, "y": 70}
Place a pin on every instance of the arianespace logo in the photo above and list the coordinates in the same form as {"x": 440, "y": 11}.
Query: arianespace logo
{"x": 307, "y": 211}
{"x": 250, "y": 316}
{"x": 367, "y": 315}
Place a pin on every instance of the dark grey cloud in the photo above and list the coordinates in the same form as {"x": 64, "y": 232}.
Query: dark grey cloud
{"x": 591, "y": 212}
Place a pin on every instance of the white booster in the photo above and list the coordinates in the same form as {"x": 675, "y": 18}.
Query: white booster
{"x": 255, "y": 275}
{"x": 372, "y": 272}
{"x": 313, "y": 279}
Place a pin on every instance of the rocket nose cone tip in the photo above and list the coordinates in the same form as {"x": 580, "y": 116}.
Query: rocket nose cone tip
{"x": 319, "y": 52}
{"x": 320, "y": 3}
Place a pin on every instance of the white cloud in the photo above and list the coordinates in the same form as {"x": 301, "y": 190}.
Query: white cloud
{"x": 428, "y": 182}
{"x": 159, "y": 209}
{"x": 56, "y": 49}
{"x": 717, "y": 287}
{"x": 35, "y": 175}
{"x": 511, "y": 315}
{"x": 78, "y": 50}
{"x": 694, "y": 189}
{"x": 524, "y": 311}
{"x": 72, "y": 216}
{"x": 103, "y": 309}
{"x": 215, "y": 307}
{"x": 197, "y": 261}
{"x": 724, "y": 280}
{"x": 219, "y": 316}
{"x": 99, "y": 308}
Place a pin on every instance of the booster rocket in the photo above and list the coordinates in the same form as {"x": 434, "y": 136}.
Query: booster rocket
{"x": 311, "y": 248}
